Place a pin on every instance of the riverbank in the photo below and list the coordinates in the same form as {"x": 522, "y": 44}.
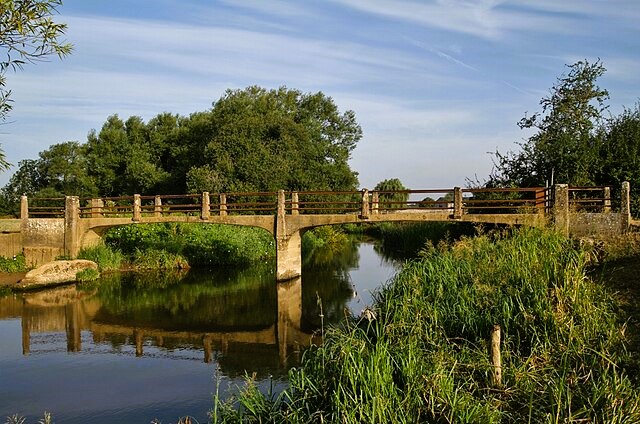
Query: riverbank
{"x": 424, "y": 358}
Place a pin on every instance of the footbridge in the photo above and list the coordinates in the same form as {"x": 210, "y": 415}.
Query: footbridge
{"x": 50, "y": 227}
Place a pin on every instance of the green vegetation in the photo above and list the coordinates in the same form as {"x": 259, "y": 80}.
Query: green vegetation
{"x": 197, "y": 244}
{"x": 251, "y": 140}
{"x": 87, "y": 275}
{"x": 108, "y": 259}
{"x": 28, "y": 34}
{"x": 15, "y": 264}
{"x": 391, "y": 200}
{"x": 405, "y": 240}
{"x": 424, "y": 359}
{"x": 574, "y": 141}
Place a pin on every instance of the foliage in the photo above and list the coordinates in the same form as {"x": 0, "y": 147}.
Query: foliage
{"x": 424, "y": 359}
{"x": 620, "y": 154}
{"x": 250, "y": 140}
{"x": 198, "y": 244}
{"x": 87, "y": 275}
{"x": 15, "y": 264}
{"x": 28, "y": 34}
{"x": 391, "y": 200}
{"x": 564, "y": 147}
{"x": 108, "y": 259}
{"x": 405, "y": 240}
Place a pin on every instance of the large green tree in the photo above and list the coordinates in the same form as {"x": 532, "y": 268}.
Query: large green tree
{"x": 564, "y": 147}
{"x": 262, "y": 140}
{"x": 28, "y": 34}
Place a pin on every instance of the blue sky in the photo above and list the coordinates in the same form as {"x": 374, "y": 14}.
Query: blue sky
{"x": 436, "y": 84}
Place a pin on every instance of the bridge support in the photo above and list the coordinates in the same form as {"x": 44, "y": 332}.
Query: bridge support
{"x": 288, "y": 245}
{"x": 71, "y": 226}
{"x": 625, "y": 207}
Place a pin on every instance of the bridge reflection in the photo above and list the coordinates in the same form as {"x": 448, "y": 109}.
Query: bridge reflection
{"x": 206, "y": 321}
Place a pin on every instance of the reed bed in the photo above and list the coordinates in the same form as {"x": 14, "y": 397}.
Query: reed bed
{"x": 424, "y": 357}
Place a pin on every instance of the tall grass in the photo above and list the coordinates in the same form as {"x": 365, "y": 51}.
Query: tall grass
{"x": 424, "y": 359}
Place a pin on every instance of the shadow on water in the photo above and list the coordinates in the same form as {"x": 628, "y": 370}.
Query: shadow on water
{"x": 233, "y": 322}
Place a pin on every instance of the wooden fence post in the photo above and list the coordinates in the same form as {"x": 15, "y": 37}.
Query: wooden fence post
{"x": 625, "y": 207}
{"x": 494, "y": 356}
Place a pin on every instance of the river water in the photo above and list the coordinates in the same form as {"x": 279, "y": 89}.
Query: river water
{"x": 135, "y": 348}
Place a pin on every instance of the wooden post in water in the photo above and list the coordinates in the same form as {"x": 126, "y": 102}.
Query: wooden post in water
{"x": 494, "y": 357}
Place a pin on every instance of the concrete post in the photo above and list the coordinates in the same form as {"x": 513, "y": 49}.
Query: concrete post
{"x": 96, "y": 208}
{"x": 294, "y": 203}
{"x": 24, "y": 207}
{"x": 288, "y": 245}
{"x": 71, "y": 226}
{"x": 157, "y": 207}
{"x": 561, "y": 208}
{"x": 364, "y": 214}
{"x": 625, "y": 207}
{"x": 457, "y": 203}
{"x": 204, "y": 214}
{"x": 223, "y": 204}
{"x": 375, "y": 200}
{"x": 137, "y": 208}
{"x": 606, "y": 203}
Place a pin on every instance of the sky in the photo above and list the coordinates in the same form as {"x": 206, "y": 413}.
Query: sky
{"x": 437, "y": 85}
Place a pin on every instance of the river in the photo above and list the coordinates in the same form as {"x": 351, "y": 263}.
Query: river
{"x": 139, "y": 347}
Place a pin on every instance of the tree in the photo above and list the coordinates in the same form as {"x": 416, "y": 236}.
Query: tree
{"x": 620, "y": 153}
{"x": 28, "y": 34}
{"x": 564, "y": 147}
{"x": 389, "y": 198}
{"x": 264, "y": 140}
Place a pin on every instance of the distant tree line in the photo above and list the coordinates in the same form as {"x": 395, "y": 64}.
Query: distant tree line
{"x": 250, "y": 140}
{"x": 575, "y": 141}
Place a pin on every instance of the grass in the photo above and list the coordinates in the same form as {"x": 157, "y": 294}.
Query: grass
{"x": 424, "y": 359}
{"x": 14, "y": 264}
{"x": 108, "y": 259}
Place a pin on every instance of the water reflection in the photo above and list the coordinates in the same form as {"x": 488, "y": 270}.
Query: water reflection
{"x": 232, "y": 321}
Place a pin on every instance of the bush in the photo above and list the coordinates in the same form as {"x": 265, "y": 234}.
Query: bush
{"x": 14, "y": 264}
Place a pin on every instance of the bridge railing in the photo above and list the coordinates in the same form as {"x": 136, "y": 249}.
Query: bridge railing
{"x": 590, "y": 199}
{"x": 456, "y": 202}
{"x": 506, "y": 200}
{"x": 46, "y": 207}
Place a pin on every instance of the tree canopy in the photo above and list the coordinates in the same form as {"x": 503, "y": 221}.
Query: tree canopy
{"x": 564, "y": 147}
{"x": 28, "y": 34}
{"x": 252, "y": 139}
